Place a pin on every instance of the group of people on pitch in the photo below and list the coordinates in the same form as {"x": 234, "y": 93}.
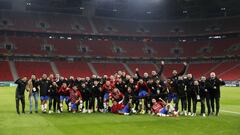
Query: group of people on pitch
{"x": 121, "y": 93}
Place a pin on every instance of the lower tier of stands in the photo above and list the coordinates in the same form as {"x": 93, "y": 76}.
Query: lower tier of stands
{"x": 224, "y": 70}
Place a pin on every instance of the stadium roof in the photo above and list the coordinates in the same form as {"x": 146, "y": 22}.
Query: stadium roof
{"x": 139, "y": 9}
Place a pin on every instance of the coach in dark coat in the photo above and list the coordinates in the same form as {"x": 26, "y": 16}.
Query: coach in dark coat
{"x": 20, "y": 90}
{"x": 213, "y": 86}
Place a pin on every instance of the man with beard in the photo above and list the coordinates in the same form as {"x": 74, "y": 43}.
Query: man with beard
{"x": 44, "y": 85}
{"x": 32, "y": 88}
{"x": 172, "y": 95}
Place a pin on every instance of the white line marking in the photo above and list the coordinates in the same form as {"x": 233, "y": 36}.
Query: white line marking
{"x": 230, "y": 112}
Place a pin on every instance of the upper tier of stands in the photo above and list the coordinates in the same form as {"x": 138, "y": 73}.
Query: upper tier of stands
{"x": 102, "y": 48}
{"x": 72, "y": 24}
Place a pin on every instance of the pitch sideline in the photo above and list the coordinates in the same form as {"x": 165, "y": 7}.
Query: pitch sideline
{"x": 231, "y": 112}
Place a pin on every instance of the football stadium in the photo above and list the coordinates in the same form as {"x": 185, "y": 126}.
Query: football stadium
{"x": 115, "y": 67}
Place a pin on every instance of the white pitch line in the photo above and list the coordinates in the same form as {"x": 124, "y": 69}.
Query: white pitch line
{"x": 231, "y": 112}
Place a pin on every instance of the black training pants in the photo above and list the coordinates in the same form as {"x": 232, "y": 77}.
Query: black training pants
{"x": 22, "y": 99}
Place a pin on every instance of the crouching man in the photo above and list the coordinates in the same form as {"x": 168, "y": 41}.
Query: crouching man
{"x": 75, "y": 98}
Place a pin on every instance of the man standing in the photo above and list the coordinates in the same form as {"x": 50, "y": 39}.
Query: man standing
{"x": 182, "y": 95}
{"x": 44, "y": 84}
{"x": 213, "y": 86}
{"x": 172, "y": 95}
{"x": 190, "y": 92}
{"x": 204, "y": 95}
{"x": 32, "y": 88}
{"x": 20, "y": 93}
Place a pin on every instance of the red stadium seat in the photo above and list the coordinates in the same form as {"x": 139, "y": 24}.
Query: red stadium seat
{"x": 6, "y": 74}
{"x": 76, "y": 69}
{"x": 28, "y": 68}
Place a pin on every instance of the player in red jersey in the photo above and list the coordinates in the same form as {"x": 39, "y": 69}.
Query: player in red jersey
{"x": 117, "y": 99}
{"x": 75, "y": 98}
{"x": 64, "y": 95}
{"x": 143, "y": 92}
{"x": 157, "y": 106}
{"x": 106, "y": 89}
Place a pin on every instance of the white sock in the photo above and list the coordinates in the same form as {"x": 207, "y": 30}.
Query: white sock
{"x": 69, "y": 106}
{"x": 45, "y": 106}
{"x": 105, "y": 105}
{"x": 81, "y": 104}
{"x": 61, "y": 106}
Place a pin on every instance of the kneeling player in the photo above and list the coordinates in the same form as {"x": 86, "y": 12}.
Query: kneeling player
{"x": 118, "y": 106}
{"x": 168, "y": 111}
{"x": 157, "y": 106}
{"x": 75, "y": 97}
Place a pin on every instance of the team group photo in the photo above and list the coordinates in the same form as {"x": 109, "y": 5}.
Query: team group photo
{"x": 119, "y": 67}
{"x": 121, "y": 93}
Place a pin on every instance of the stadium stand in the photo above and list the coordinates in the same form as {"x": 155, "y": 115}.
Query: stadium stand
{"x": 232, "y": 73}
{"x": 98, "y": 48}
{"x": 198, "y": 70}
{"x": 168, "y": 68}
{"x": 44, "y": 46}
{"x": 64, "y": 47}
{"x": 76, "y": 69}
{"x": 27, "y": 46}
{"x": 6, "y": 74}
{"x": 142, "y": 68}
{"x": 62, "y": 23}
{"x": 108, "y": 68}
{"x": 26, "y": 68}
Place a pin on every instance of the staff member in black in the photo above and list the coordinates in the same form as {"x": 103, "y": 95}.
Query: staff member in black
{"x": 172, "y": 95}
{"x": 54, "y": 100}
{"x": 213, "y": 86}
{"x": 204, "y": 95}
{"x": 182, "y": 95}
{"x": 190, "y": 92}
{"x": 20, "y": 93}
{"x": 195, "y": 96}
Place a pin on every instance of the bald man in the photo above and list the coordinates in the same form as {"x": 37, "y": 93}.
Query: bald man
{"x": 213, "y": 86}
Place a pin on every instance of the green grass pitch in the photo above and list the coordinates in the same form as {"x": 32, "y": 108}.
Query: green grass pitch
{"x": 228, "y": 123}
